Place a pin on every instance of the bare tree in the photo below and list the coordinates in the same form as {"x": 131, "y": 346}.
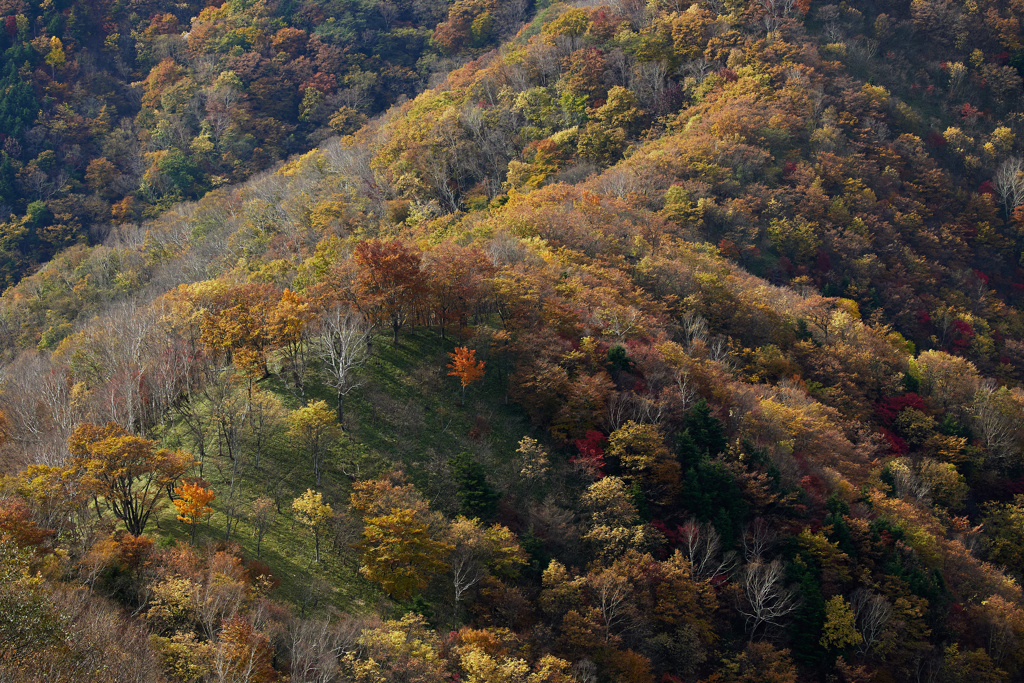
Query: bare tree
{"x": 906, "y": 481}
{"x": 265, "y": 420}
{"x": 36, "y": 398}
{"x": 695, "y": 331}
{"x": 55, "y": 395}
{"x": 611, "y": 593}
{"x": 758, "y": 539}
{"x": 584, "y": 671}
{"x": 190, "y": 409}
{"x": 698, "y": 69}
{"x": 121, "y": 345}
{"x": 277, "y": 481}
{"x": 388, "y": 11}
{"x": 872, "y": 612}
{"x": 100, "y": 637}
{"x": 702, "y": 545}
{"x": 228, "y": 409}
{"x": 776, "y": 12}
{"x": 342, "y": 340}
{"x": 465, "y": 573}
{"x": 767, "y": 600}
{"x": 687, "y": 389}
{"x": 629, "y": 406}
{"x": 317, "y": 646}
{"x": 997, "y": 417}
{"x": 830, "y": 17}
{"x": 261, "y": 515}
{"x": 648, "y": 80}
{"x": 1009, "y": 182}
{"x": 165, "y": 376}
{"x": 510, "y": 16}
{"x": 216, "y": 601}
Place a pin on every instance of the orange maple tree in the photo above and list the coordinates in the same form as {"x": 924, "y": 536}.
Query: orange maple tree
{"x": 192, "y": 504}
{"x": 390, "y": 284}
{"x": 466, "y": 367}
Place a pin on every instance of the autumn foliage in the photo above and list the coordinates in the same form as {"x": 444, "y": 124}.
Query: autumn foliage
{"x": 192, "y": 503}
{"x": 747, "y": 282}
{"x": 466, "y": 367}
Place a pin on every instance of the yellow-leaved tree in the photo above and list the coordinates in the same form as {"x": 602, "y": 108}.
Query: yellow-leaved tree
{"x": 401, "y": 547}
{"x": 314, "y": 427}
{"x": 313, "y": 513}
{"x": 56, "y": 56}
{"x": 840, "y": 629}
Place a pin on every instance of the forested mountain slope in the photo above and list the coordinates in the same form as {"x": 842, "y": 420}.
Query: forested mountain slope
{"x": 656, "y": 343}
{"x": 114, "y": 111}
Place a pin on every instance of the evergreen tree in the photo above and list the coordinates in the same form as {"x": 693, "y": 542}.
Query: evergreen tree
{"x": 476, "y": 495}
{"x": 8, "y": 190}
{"x": 809, "y": 618}
{"x": 18, "y": 105}
{"x": 705, "y": 430}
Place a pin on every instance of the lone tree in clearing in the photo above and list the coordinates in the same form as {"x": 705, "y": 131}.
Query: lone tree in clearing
{"x": 261, "y": 514}
{"x": 313, "y": 513}
{"x": 466, "y": 367}
{"x": 314, "y": 428}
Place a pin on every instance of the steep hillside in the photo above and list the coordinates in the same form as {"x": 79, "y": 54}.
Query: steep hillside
{"x": 659, "y": 343}
{"x": 112, "y": 112}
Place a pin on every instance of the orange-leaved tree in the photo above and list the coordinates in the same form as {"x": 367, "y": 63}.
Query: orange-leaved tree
{"x": 466, "y": 367}
{"x": 390, "y": 284}
{"x": 192, "y": 503}
{"x": 128, "y": 472}
{"x": 240, "y": 323}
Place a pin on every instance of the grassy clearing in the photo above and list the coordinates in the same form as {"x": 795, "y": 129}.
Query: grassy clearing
{"x": 406, "y": 415}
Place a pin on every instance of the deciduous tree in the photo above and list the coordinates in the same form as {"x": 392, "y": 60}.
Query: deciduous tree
{"x": 128, "y": 472}
{"x": 313, "y": 427}
{"x": 767, "y": 599}
{"x": 313, "y": 513}
{"x": 839, "y": 631}
{"x": 192, "y": 504}
{"x": 261, "y": 516}
{"x": 454, "y": 277}
{"x": 289, "y": 331}
{"x": 399, "y": 552}
{"x": 239, "y": 322}
{"x": 342, "y": 339}
{"x": 466, "y": 367}
{"x": 390, "y": 284}
{"x": 476, "y": 552}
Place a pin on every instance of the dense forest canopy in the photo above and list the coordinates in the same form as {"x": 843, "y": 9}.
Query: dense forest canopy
{"x": 510, "y": 341}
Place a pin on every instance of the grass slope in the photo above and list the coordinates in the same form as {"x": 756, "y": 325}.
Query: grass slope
{"x": 407, "y": 415}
